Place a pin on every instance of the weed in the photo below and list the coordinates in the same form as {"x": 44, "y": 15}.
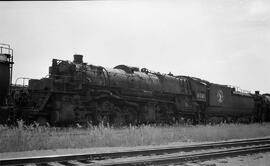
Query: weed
{"x": 34, "y": 137}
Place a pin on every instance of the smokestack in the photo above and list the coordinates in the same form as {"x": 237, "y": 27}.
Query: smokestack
{"x": 78, "y": 59}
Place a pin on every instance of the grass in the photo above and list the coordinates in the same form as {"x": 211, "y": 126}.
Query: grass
{"x": 25, "y": 138}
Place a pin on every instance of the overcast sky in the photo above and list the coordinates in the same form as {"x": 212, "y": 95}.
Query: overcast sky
{"x": 222, "y": 41}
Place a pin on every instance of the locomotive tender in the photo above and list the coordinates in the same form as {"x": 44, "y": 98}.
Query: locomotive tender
{"x": 76, "y": 92}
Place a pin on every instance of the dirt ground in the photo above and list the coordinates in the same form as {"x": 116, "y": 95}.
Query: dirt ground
{"x": 260, "y": 159}
{"x": 85, "y": 150}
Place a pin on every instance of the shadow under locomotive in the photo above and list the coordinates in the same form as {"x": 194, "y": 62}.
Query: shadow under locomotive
{"x": 76, "y": 92}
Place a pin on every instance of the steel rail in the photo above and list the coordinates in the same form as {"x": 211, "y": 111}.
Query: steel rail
{"x": 136, "y": 152}
{"x": 179, "y": 159}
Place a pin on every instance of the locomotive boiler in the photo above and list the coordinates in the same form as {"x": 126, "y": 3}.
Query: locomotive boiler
{"x": 77, "y": 92}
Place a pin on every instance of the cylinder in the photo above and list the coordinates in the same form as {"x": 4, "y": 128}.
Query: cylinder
{"x": 4, "y": 76}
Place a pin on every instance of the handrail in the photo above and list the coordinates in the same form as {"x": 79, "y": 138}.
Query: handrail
{"x": 4, "y": 46}
{"x": 238, "y": 89}
{"x": 23, "y": 78}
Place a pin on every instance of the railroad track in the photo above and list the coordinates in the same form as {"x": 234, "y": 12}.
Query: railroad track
{"x": 154, "y": 156}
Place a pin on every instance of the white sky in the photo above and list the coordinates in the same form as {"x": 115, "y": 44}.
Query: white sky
{"x": 222, "y": 41}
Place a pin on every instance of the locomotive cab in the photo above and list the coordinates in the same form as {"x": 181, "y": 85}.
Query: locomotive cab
{"x": 267, "y": 106}
{"x": 6, "y": 63}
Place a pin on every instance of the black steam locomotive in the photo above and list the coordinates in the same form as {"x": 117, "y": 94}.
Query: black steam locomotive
{"x": 76, "y": 92}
